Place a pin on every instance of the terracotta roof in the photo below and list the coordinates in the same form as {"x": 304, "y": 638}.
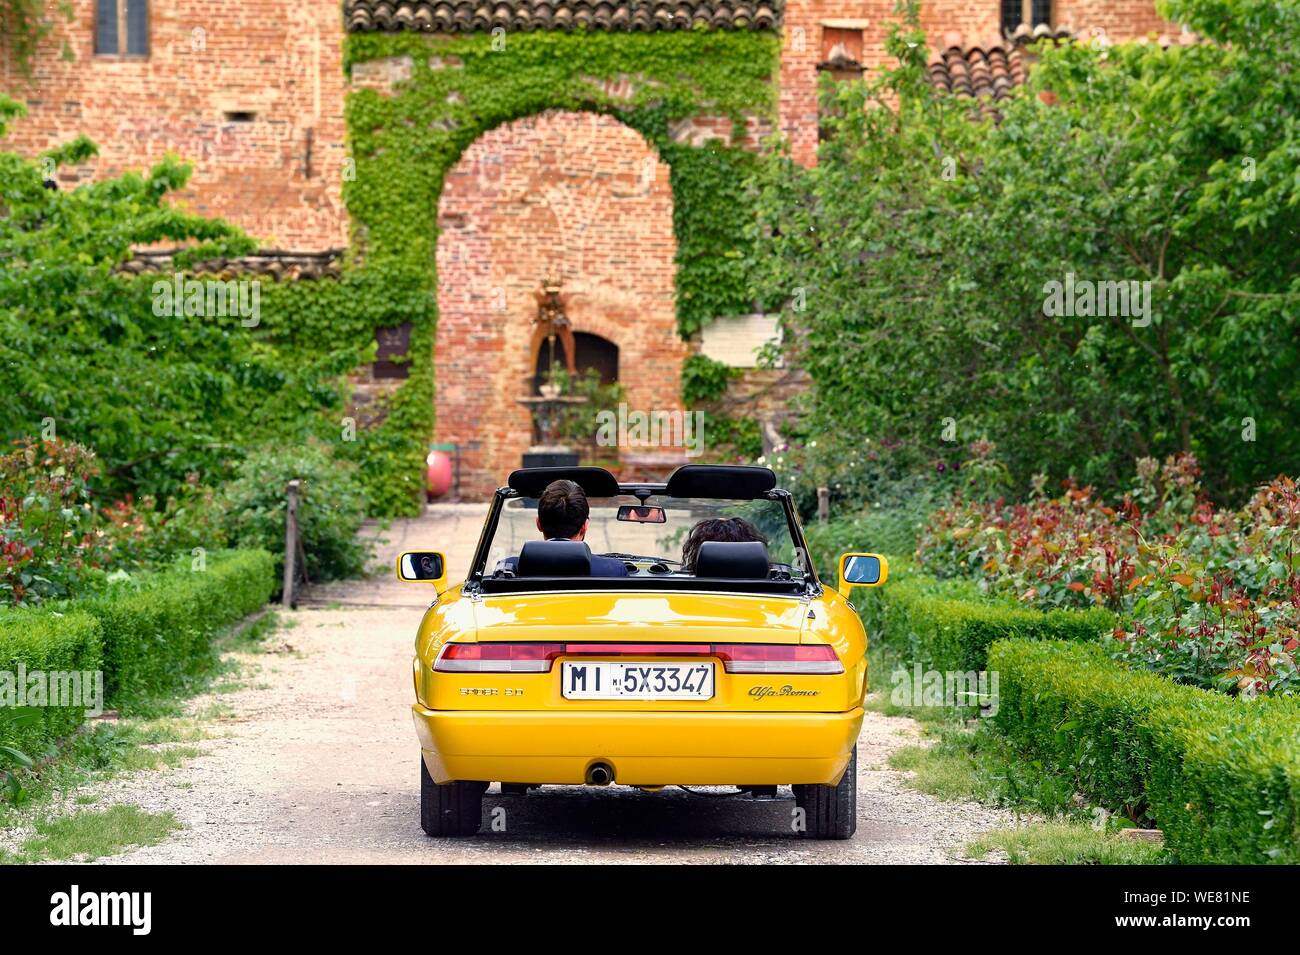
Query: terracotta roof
{"x": 273, "y": 263}
{"x": 989, "y": 69}
{"x": 481, "y": 16}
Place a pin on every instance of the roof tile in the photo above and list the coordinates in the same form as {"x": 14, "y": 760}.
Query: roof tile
{"x": 989, "y": 68}
{"x": 481, "y": 16}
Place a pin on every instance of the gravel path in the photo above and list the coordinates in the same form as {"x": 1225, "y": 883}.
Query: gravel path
{"x": 319, "y": 764}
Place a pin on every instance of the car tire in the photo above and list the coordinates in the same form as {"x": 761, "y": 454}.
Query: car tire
{"x": 450, "y": 809}
{"x": 831, "y": 812}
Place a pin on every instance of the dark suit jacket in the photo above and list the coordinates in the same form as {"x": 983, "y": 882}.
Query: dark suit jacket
{"x": 600, "y": 566}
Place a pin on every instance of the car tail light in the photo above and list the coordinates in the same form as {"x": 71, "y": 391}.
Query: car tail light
{"x": 775, "y": 658}
{"x": 497, "y": 657}
{"x": 538, "y": 657}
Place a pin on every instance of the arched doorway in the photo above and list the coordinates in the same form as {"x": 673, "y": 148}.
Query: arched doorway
{"x": 592, "y": 353}
{"x": 577, "y": 196}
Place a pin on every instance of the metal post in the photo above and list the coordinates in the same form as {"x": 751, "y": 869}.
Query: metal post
{"x": 291, "y": 545}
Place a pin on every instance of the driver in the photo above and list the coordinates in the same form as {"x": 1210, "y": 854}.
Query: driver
{"x": 563, "y": 515}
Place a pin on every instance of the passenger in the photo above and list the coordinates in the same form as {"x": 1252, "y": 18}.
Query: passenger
{"x": 563, "y": 515}
{"x": 727, "y": 529}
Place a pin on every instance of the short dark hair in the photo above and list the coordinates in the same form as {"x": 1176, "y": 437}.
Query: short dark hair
{"x": 562, "y": 509}
{"x": 730, "y": 529}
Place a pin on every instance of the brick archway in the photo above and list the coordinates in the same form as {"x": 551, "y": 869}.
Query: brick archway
{"x": 577, "y": 194}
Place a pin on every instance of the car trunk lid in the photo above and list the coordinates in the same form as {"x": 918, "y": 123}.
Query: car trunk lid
{"x": 640, "y": 618}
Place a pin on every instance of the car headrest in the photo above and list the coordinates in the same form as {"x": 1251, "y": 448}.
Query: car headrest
{"x": 745, "y": 560}
{"x": 555, "y": 559}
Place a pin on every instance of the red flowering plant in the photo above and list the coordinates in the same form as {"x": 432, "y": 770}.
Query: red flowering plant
{"x": 146, "y": 533}
{"x": 1068, "y": 551}
{"x": 1204, "y": 595}
{"x": 1229, "y": 617}
{"x": 55, "y": 542}
{"x": 49, "y": 539}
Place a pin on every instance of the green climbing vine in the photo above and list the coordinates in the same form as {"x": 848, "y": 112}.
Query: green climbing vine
{"x": 24, "y": 23}
{"x": 403, "y": 144}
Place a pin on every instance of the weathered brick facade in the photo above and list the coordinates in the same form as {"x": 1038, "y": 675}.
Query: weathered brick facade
{"x": 250, "y": 93}
{"x": 577, "y": 195}
{"x": 810, "y": 27}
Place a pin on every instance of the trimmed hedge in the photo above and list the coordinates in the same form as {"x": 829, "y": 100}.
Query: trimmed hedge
{"x": 157, "y": 630}
{"x": 147, "y": 636}
{"x": 49, "y": 642}
{"x": 1219, "y": 774}
{"x": 950, "y": 624}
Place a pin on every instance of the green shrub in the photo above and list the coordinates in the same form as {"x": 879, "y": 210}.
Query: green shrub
{"x": 1219, "y": 775}
{"x": 887, "y": 531}
{"x": 331, "y": 508}
{"x": 157, "y": 629}
{"x": 45, "y": 641}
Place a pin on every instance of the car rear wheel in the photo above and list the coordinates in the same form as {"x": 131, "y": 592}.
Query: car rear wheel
{"x": 450, "y": 809}
{"x": 831, "y": 812}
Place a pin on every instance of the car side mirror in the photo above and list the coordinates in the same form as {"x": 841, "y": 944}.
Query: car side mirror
{"x": 862, "y": 570}
{"x": 423, "y": 567}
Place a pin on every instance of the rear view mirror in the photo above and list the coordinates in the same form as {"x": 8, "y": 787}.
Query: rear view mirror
{"x": 862, "y": 570}
{"x": 642, "y": 514}
{"x": 421, "y": 566}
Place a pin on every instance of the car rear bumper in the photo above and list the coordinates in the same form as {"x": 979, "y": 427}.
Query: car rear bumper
{"x": 644, "y": 749}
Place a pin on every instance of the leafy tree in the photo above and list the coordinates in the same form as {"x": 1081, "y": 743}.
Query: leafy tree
{"x": 88, "y": 354}
{"x": 917, "y": 257}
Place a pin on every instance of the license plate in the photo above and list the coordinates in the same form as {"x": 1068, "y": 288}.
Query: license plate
{"x": 637, "y": 681}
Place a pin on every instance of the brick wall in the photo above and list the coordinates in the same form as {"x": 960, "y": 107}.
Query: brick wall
{"x": 580, "y": 195}
{"x": 278, "y": 176}
{"x": 806, "y": 22}
{"x": 1121, "y": 19}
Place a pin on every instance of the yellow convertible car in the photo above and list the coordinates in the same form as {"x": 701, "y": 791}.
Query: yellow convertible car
{"x": 597, "y": 653}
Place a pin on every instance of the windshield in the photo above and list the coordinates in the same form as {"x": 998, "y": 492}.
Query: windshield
{"x": 648, "y": 543}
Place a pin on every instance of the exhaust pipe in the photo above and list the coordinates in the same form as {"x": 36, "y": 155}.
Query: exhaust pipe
{"x": 600, "y": 774}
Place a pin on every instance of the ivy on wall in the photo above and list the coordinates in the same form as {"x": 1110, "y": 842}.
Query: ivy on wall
{"x": 225, "y": 388}
{"x": 403, "y": 145}
{"x": 460, "y": 87}
{"x": 319, "y": 319}
{"x": 24, "y": 23}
